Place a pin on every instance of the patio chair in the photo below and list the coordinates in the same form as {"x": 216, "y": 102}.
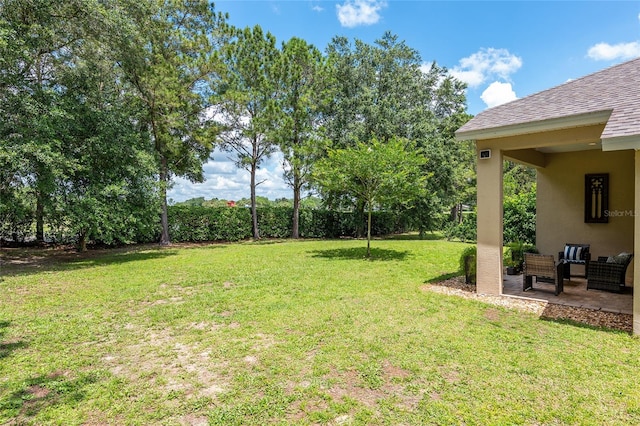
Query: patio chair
{"x": 575, "y": 254}
{"x": 542, "y": 266}
{"x": 608, "y": 273}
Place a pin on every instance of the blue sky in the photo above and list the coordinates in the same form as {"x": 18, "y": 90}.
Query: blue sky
{"x": 502, "y": 50}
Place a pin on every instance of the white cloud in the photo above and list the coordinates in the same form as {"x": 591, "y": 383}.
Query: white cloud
{"x": 220, "y": 166}
{"x": 486, "y": 64}
{"x": 354, "y": 13}
{"x": 498, "y": 93}
{"x": 227, "y": 182}
{"x": 317, "y": 8}
{"x": 609, "y": 52}
{"x": 473, "y": 78}
{"x": 425, "y": 67}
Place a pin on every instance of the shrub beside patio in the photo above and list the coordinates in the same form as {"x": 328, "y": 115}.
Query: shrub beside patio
{"x": 292, "y": 333}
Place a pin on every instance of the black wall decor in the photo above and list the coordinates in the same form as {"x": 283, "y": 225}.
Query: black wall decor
{"x": 596, "y": 198}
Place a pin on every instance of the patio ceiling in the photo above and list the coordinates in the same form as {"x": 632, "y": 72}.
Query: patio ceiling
{"x": 571, "y": 148}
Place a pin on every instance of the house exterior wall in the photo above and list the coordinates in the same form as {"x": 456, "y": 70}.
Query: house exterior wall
{"x": 489, "y": 254}
{"x": 560, "y": 203}
{"x": 636, "y": 258}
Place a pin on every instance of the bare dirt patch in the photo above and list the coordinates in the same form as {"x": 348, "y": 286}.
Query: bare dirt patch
{"x": 38, "y": 391}
{"x": 173, "y": 366}
{"x": 193, "y": 420}
{"x": 492, "y": 314}
{"x": 392, "y": 372}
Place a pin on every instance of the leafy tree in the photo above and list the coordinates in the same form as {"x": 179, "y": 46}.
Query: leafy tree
{"x": 80, "y": 151}
{"x": 303, "y": 75}
{"x": 282, "y": 202}
{"x": 166, "y": 51}
{"x": 311, "y": 202}
{"x": 381, "y": 91}
{"x": 33, "y": 36}
{"x": 107, "y": 191}
{"x": 518, "y": 179}
{"x": 245, "y": 103}
{"x": 380, "y": 174}
{"x": 452, "y": 175}
{"x": 198, "y": 201}
{"x": 214, "y": 202}
{"x": 520, "y": 217}
{"x": 384, "y": 91}
{"x": 259, "y": 202}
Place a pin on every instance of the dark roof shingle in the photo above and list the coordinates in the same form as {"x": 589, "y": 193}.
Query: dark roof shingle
{"x": 615, "y": 89}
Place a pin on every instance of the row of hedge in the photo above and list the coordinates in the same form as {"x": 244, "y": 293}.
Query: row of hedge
{"x": 193, "y": 223}
{"x": 196, "y": 223}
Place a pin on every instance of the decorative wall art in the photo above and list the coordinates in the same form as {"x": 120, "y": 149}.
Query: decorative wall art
{"x": 596, "y": 198}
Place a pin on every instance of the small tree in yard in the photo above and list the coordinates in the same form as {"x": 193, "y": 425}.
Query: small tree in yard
{"x": 377, "y": 174}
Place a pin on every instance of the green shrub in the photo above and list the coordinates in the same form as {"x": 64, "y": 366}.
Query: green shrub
{"x": 275, "y": 222}
{"x": 467, "y": 264}
{"x": 520, "y": 217}
{"x": 514, "y": 253}
{"x": 464, "y": 231}
{"x": 197, "y": 223}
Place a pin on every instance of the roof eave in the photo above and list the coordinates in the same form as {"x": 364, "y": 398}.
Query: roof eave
{"x": 578, "y": 120}
{"x": 621, "y": 143}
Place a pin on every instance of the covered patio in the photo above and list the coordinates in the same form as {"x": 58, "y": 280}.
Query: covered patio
{"x": 575, "y": 294}
{"x": 586, "y": 127}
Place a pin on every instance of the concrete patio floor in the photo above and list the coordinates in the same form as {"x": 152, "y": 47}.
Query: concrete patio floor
{"x": 575, "y": 294}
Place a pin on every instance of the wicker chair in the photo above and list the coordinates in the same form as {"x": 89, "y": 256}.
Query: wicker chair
{"x": 608, "y": 275}
{"x": 575, "y": 254}
{"x": 542, "y": 266}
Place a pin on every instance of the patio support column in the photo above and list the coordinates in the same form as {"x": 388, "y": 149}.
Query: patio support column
{"x": 489, "y": 258}
{"x": 636, "y": 247}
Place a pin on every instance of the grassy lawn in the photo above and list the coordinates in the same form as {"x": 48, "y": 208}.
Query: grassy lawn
{"x": 292, "y": 333}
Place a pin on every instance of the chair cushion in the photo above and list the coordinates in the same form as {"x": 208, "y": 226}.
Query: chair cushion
{"x": 621, "y": 259}
{"x": 573, "y": 252}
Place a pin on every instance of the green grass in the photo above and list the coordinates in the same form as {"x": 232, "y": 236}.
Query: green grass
{"x": 291, "y": 333}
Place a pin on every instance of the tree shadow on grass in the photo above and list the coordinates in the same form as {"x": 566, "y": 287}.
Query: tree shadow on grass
{"x": 266, "y": 241}
{"x": 443, "y": 277}
{"x": 7, "y": 347}
{"x": 415, "y": 237}
{"x": 33, "y": 261}
{"x": 360, "y": 253}
{"x": 614, "y": 328}
{"x": 38, "y": 393}
{"x": 588, "y": 318}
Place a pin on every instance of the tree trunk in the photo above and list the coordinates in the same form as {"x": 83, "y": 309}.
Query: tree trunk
{"x": 254, "y": 209}
{"x": 369, "y": 233}
{"x": 360, "y": 219}
{"x": 82, "y": 241}
{"x": 39, "y": 218}
{"x": 295, "y": 233}
{"x": 164, "y": 216}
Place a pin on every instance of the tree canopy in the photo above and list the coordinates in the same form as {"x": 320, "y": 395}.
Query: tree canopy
{"x": 166, "y": 51}
{"x": 245, "y": 103}
{"x": 103, "y": 103}
{"x": 379, "y": 174}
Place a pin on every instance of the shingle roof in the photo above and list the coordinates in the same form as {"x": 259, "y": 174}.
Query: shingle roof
{"x": 615, "y": 89}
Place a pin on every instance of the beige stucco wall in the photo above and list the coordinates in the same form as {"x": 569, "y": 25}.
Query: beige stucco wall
{"x": 560, "y": 203}
{"x": 489, "y": 257}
